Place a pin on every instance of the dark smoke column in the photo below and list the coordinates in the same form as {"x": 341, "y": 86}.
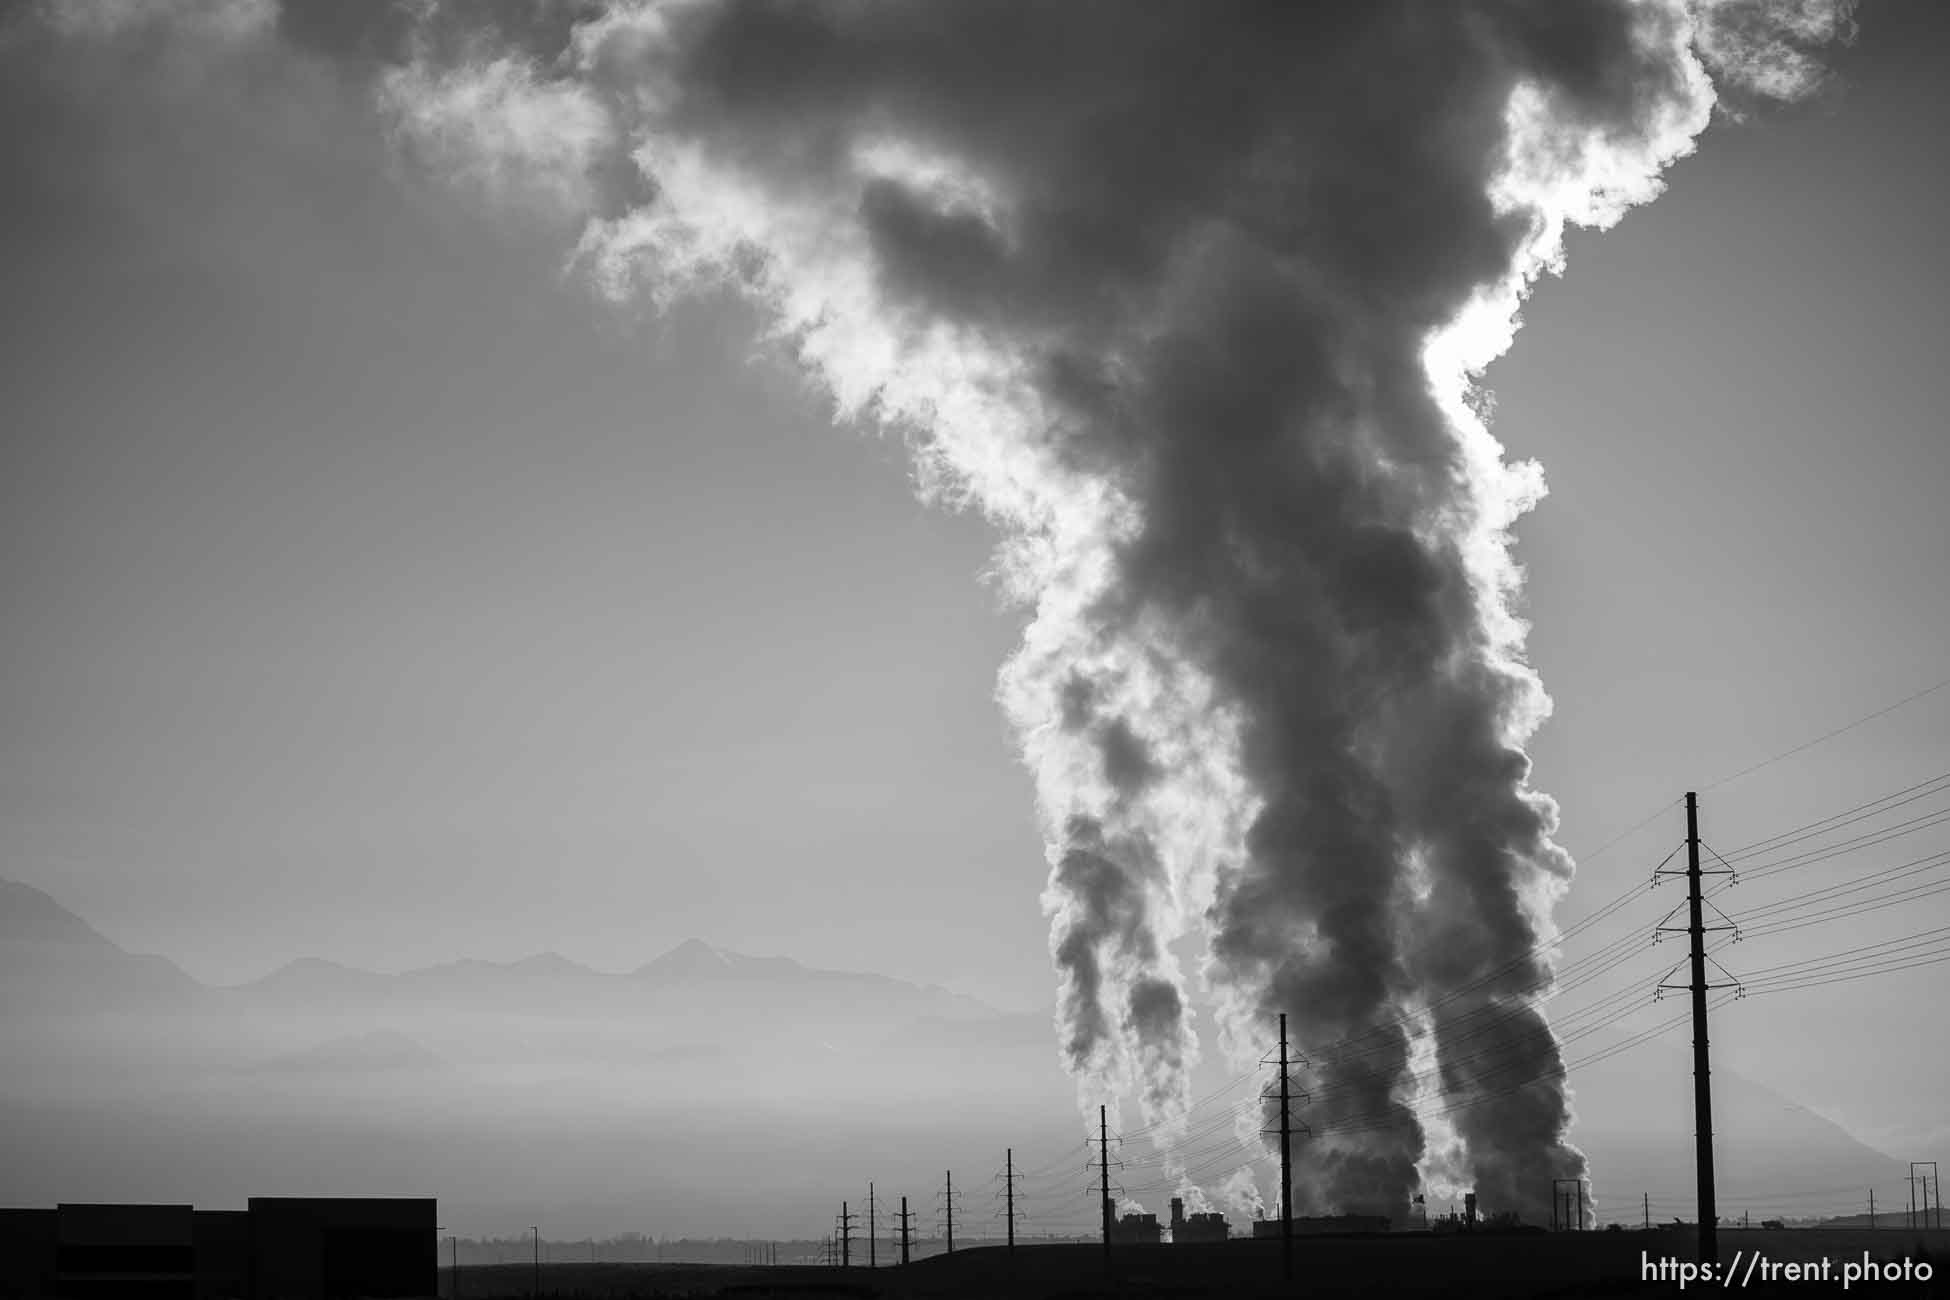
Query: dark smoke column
{"x": 1188, "y": 298}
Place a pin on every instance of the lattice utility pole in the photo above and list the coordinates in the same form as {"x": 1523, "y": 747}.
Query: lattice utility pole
{"x": 1107, "y": 1205}
{"x": 1919, "y": 1208}
{"x": 948, "y": 1210}
{"x": 1567, "y": 1199}
{"x": 1287, "y": 1060}
{"x": 1009, "y": 1211}
{"x": 1696, "y": 929}
{"x": 1103, "y": 1162}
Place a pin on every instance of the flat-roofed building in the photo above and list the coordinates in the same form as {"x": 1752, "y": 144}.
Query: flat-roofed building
{"x": 125, "y": 1252}
{"x": 1324, "y": 1225}
{"x": 278, "y": 1249}
{"x": 223, "y": 1254}
{"x": 27, "y": 1246}
{"x": 317, "y": 1249}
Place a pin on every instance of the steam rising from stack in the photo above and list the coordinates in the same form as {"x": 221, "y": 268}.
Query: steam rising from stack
{"x": 1189, "y": 299}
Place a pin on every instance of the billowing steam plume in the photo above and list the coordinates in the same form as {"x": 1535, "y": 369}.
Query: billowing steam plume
{"x": 1189, "y": 299}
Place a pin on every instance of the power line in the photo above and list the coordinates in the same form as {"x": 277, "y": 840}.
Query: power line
{"x": 1858, "y": 908}
{"x": 1941, "y": 934}
{"x": 1834, "y": 821}
{"x": 1520, "y": 1055}
{"x": 1914, "y": 963}
{"x": 1504, "y": 1008}
{"x": 1827, "y": 736}
{"x": 1210, "y": 1097}
{"x": 1828, "y": 893}
{"x": 1327, "y": 1051}
{"x": 1868, "y": 839}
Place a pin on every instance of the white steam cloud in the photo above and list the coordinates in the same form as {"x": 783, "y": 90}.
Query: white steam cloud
{"x": 1191, "y": 300}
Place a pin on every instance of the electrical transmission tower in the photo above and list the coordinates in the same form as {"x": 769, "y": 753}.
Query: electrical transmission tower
{"x": 1287, "y": 1095}
{"x": 1103, "y": 1162}
{"x": 1010, "y": 1211}
{"x": 1567, "y": 1204}
{"x": 846, "y": 1235}
{"x": 1696, "y": 929}
{"x": 1926, "y": 1182}
{"x": 873, "y": 1228}
{"x": 948, "y": 1211}
{"x": 904, "y": 1227}
{"x": 1103, "y": 1168}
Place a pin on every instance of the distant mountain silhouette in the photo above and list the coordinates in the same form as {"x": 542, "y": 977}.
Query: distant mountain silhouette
{"x": 53, "y": 964}
{"x": 693, "y": 979}
{"x": 27, "y": 915}
{"x": 317, "y": 977}
{"x": 695, "y": 960}
{"x": 695, "y": 1043}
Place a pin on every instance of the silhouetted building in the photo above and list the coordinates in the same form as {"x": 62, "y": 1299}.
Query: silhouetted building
{"x": 1199, "y": 1227}
{"x": 27, "y": 1249}
{"x": 1319, "y": 1225}
{"x": 278, "y": 1249}
{"x": 223, "y": 1254}
{"x": 1136, "y": 1230}
{"x": 146, "y": 1251}
{"x": 305, "y": 1249}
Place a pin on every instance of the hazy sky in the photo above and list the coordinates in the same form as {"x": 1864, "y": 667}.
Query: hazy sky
{"x": 372, "y": 591}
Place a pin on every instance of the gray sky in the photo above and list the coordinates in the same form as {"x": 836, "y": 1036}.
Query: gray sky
{"x": 374, "y": 592}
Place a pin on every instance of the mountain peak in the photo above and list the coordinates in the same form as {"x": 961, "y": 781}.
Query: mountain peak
{"x": 315, "y": 973}
{"x": 691, "y": 959}
{"x": 550, "y": 963}
{"x": 30, "y": 915}
{"x": 695, "y": 959}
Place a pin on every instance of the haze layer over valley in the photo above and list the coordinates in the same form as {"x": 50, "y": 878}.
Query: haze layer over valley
{"x": 544, "y": 1090}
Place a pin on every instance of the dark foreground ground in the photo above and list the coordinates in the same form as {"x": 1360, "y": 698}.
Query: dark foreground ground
{"x": 1488, "y": 1265}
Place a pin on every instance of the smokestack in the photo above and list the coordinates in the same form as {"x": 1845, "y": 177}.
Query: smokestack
{"x": 1191, "y": 301}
